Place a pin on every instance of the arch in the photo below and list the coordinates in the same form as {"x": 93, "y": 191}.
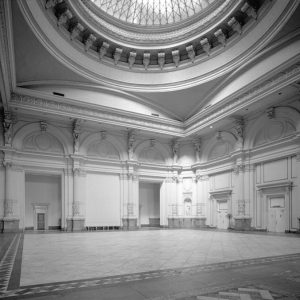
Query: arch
{"x": 219, "y": 146}
{"x": 286, "y": 120}
{"x": 33, "y": 129}
{"x": 153, "y": 152}
{"x": 104, "y": 149}
{"x": 104, "y": 144}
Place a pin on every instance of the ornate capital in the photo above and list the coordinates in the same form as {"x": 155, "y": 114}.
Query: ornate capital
{"x": 43, "y": 126}
{"x": 79, "y": 172}
{"x": 76, "y": 134}
{"x": 239, "y": 169}
{"x": 270, "y": 112}
{"x": 8, "y": 128}
{"x": 130, "y": 143}
{"x": 175, "y": 148}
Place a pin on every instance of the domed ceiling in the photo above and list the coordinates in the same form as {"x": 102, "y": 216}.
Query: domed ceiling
{"x": 152, "y": 12}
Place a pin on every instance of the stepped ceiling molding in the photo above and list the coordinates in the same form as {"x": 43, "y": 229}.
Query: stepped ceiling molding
{"x": 108, "y": 47}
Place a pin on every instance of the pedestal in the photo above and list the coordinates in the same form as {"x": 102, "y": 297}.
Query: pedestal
{"x": 242, "y": 223}
{"x": 154, "y": 222}
{"x": 174, "y": 222}
{"x": 75, "y": 224}
{"x": 199, "y": 222}
{"x": 10, "y": 225}
{"x": 129, "y": 223}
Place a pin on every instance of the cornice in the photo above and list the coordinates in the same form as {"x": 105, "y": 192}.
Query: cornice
{"x": 229, "y": 106}
{"x": 105, "y": 115}
{"x": 289, "y": 38}
{"x": 96, "y": 114}
{"x": 105, "y": 89}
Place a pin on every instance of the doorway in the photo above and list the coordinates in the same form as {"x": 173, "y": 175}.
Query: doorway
{"x": 149, "y": 204}
{"x": 43, "y": 202}
{"x": 40, "y": 221}
{"x": 222, "y": 215}
{"x": 276, "y": 214}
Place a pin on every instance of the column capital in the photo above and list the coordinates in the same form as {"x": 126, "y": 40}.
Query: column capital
{"x": 202, "y": 177}
{"x": 79, "y": 172}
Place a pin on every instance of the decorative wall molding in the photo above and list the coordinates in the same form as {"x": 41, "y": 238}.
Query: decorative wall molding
{"x": 92, "y": 114}
{"x": 229, "y": 106}
{"x": 285, "y": 185}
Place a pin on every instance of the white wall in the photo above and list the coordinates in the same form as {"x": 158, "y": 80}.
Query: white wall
{"x": 149, "y": 202}
{"x": 103, "y": 202}
{"x": 43, "y": 189}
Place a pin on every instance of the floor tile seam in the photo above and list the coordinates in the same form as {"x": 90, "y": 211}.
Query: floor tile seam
{"x": 110, "y": 280}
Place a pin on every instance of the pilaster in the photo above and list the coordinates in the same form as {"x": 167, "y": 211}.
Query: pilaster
{"x": 76, "y": 222}
{"x": 241, "y": 211}
{"x": 131, "y": 205}
{"x": 11, "y": 218}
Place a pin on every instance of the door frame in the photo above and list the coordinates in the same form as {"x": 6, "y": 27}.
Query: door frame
{"x": 145, "y": 179}
{"x": 40, "y": 209}
{"x": 271, "y": 190}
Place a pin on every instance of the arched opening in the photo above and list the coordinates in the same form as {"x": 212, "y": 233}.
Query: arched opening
{"x": 43, "y": 203}
{"x": 149, "y": 204}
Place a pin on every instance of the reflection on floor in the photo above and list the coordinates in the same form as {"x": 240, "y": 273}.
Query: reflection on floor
{"x": 79, "y": 263}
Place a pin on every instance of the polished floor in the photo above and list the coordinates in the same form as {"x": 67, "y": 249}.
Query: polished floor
{"x": 72, "y": 264}
{"x": 59, "y": 257}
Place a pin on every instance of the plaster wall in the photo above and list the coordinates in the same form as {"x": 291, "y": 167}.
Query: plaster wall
{"x": 103, "y": 201}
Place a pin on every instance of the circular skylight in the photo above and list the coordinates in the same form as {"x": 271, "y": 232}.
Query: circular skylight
{"x": 152, "y": 12}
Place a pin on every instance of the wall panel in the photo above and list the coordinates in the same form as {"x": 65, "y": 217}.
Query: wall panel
{"x": 103, "y": 200}
{"x": 275, "y": 170}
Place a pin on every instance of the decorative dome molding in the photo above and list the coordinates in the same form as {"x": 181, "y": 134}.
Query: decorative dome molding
{"x": 151, "y": 48}
{"x": 136, "y": 69}
{"x": 153, "y": 12}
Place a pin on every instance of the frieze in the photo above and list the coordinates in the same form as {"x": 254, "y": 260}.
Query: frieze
{"x": 17, "y": 99}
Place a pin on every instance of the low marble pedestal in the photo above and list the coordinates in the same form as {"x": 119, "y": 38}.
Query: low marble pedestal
{"x": 10, "y": 225}
{"x": 195, "y": 222}
{"x": 242, "y": 223}
{"x": 199, "y": 222}
{"x": 129, "y": 223}
{"x": 75, "y": 224}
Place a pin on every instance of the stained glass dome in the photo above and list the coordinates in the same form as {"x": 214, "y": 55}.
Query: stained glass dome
{"x": 152, "y": 12}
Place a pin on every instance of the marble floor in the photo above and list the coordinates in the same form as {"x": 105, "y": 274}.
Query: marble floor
{"x": 59, "y": 257}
